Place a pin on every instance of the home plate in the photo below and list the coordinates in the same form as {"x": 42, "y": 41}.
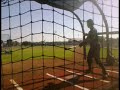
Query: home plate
{"x": 69, "y": 78}
{"x": 72, "y": 78}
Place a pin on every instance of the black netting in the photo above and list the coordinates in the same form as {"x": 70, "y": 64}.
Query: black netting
{"x": 40, "y": 44}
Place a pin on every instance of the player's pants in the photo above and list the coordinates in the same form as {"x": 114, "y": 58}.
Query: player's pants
{"x": 94, "y": 52}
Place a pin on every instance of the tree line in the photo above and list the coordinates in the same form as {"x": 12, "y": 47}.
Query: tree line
{"x": 112, "y": 42}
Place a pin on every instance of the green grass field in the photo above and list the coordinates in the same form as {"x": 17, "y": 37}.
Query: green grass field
{"x": 103, "y": 52}
{"x": 35, "y": 52}
{"x": 48, "y": 52}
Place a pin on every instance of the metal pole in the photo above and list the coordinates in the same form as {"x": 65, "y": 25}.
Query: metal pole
{"x": 105, "y": 21}
{"x": 84, "y": 47}
{"x": 82, "y": 2}
{"x": 106, "y": 24}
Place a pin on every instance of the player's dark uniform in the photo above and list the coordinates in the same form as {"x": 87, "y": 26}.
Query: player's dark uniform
{"x": 94, "y": 51}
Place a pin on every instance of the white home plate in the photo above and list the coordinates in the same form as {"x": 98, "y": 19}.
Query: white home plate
{"x": 71, "y": 77}
{"x": 61, "y": 79}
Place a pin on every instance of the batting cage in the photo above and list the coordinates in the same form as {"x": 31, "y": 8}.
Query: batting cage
{"x": 59, "y": 45}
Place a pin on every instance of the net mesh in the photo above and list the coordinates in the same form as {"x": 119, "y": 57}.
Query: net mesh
{"x": 43, "y": 38}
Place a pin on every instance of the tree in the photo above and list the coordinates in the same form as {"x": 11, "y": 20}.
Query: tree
{"x": 15, "y": 43}
{"x": 9, "y": 42}
{"x": 26, "y": 43}
{"x": 1, "y": 41}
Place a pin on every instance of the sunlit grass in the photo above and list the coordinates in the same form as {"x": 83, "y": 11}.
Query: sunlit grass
{"x": 36, "y": 51}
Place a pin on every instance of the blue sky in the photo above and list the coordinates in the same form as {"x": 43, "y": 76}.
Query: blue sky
{"x": 58, "y": 18}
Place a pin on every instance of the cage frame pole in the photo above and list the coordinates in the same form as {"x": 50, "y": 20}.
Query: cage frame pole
{"x": 106, "y": 25}
{"x": 83, "y": 1}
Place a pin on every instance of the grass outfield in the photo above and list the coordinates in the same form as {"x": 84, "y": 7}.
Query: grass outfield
{"x": 36, "y": 52}
{"x": 103, "y": 52}
{"x": 47, "y": 51}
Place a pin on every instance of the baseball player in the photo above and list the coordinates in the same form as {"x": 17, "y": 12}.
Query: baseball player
{"x": 94, "y": 51}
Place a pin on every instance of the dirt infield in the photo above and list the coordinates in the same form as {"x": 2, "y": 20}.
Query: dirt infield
{"x": 49, "y": 74}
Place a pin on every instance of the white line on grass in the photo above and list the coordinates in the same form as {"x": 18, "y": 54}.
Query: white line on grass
{"x": 88, "y": 76}
{"x": 67, "y": 81}
{"x": 15, "y": 84}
